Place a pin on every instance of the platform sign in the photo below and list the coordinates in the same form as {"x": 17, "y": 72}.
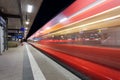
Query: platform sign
{"x": 22, "y": 29}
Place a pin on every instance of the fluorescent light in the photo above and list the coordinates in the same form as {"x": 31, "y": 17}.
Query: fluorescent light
{"x": 64, "y": 19}
{"x": 29, "y": 8}
{"x": 27, "y": 22}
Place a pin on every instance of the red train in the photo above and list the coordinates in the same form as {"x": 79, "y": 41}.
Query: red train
{"x": 88, "y": 43}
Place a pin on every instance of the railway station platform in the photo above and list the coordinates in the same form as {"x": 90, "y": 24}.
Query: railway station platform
{"x": 27, "y": 63}
{"x": 59, "y": 39}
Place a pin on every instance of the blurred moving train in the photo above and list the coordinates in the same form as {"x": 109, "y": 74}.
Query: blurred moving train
{"x": 101, "y": 29}
{"x": 90, "y": 46}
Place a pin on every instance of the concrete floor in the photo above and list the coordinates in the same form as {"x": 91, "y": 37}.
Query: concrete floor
{"x": 11, "y": 64}
{"x": 27, "y": 63}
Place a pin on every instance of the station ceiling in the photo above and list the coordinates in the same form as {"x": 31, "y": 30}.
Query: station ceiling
{"x": 16, "y": 12}
{"x": 43, "y": 11}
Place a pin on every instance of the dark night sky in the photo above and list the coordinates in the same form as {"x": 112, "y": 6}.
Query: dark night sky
{"x": 48, "y": 10}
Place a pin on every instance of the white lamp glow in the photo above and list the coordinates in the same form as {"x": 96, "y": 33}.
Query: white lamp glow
{"x": 29, "y": 8}
{"x": 27, "y": 22}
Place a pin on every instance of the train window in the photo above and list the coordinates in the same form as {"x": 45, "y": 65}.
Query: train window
{"x": 97, "y": 37}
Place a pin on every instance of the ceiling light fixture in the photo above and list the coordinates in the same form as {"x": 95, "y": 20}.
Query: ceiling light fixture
{"x": 29, "y": 8}
{"x": 27, "y": 22}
